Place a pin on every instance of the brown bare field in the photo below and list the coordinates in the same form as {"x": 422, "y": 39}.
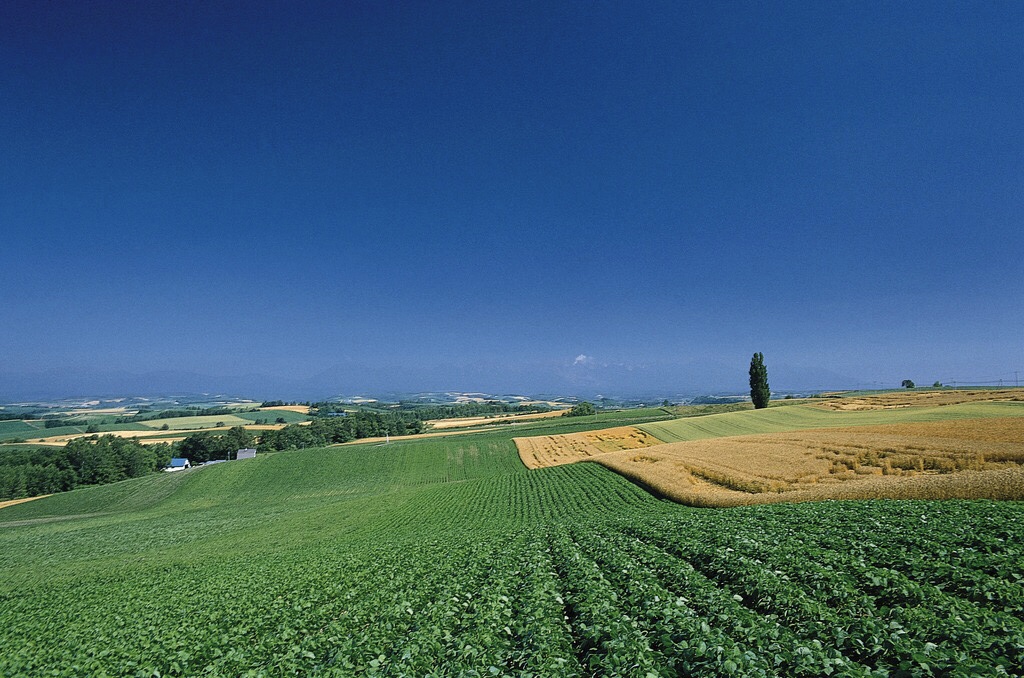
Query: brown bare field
{"x": 909, "y": 398}
{"x": 462, "y": 422}
{"x": 11, "y": 502}
{"x": 963, "y": 459}
{"x": 301, "y": 409}
{"x": 555, "y": 450}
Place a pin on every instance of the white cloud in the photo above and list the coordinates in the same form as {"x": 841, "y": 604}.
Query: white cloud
{"x": 582, "y": 359}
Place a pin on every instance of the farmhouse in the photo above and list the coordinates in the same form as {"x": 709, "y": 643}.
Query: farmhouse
{"x": 247, "y": 453}
{"x": 178, "y": 464}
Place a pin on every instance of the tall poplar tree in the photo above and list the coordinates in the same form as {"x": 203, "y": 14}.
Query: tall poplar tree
{"x": 759, "y": 391}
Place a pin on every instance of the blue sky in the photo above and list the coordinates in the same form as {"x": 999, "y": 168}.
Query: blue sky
{"x": 521, "y": 197}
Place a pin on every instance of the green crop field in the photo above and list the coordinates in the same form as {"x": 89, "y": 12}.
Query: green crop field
{"x": 446, "y": 557}
{"x": 204, "y": 421}
{"x": 272, "y": 416}
{"x": 15, "y": 428}
{"x": 799, "y": 417}
{"x": 34, "y": 432}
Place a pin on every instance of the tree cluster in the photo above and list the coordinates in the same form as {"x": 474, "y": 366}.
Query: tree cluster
{"x": 206, "y": 446}
{"x": 583, "y": 409}
{"x": 84, "y": 461}
{"x": 330, "y": 430}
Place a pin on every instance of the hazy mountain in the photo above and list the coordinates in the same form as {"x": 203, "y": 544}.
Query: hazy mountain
{"x": 585, "y": 377}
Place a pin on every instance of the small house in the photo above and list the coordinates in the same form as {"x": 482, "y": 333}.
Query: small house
{"x": 247, "y": 453}
{"x": 178, "y": 464}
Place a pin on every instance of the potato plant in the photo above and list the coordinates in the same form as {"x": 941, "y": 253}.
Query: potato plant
{"x": 446, "y": 557}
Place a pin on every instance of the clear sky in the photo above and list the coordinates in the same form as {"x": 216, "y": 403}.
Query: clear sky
{"x": 510, "y": 197}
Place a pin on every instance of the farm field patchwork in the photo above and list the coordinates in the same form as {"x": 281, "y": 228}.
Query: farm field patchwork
{"x": 447, "y": 557}
{"x": 199, "y": 422}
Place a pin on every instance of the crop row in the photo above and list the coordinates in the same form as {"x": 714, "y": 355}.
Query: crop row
{"x": 389, "y": 569}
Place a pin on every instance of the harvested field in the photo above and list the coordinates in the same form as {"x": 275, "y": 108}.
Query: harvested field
{"x": 909, "y": 398}
{"x": 300, "y": 409}
{"x": 804, "y": 417}
{"x": 963, "y": 459}
{"x": 555, "y": 450}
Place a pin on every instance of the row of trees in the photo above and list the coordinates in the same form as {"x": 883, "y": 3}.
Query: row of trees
{"x": 327, "y": 430}
{"x": 342, "y": 429}
{"x": 27, "y": 472}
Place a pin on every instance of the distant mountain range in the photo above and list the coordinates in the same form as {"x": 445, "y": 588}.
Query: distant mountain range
{"x": 585, "y": 378}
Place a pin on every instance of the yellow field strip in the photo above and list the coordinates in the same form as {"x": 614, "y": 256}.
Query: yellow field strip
{"x": 462, "y": 422}
{"x": 151, "y": 436}
{"x": 12, "y": 502}
{"x": 900, "y": 399}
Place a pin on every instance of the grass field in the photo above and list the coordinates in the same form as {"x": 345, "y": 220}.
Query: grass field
{"x": 447, "y": 557}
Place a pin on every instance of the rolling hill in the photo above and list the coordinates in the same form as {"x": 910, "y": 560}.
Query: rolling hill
{"x": 446, "y": 556}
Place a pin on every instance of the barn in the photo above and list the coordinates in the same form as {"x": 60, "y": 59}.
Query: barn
{"x": 178, "y": 464}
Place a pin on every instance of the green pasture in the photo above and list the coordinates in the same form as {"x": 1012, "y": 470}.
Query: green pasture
{"x": 797, "y": 417}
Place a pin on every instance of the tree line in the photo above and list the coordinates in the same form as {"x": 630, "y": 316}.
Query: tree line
{"x": 28, "y": 472}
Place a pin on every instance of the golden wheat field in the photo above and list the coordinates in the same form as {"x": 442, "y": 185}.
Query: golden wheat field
{"x": 462, "y": 422}
{"x": 966, "y": 458}
{"x": 908, "y": 398}
{"x": 301, "y": 409}
{"x": 555, "y": 450}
